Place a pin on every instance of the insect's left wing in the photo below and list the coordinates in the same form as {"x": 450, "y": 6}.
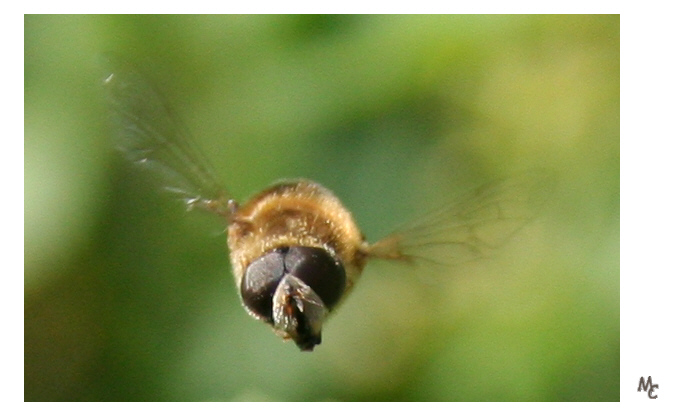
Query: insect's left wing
{"x": 148, "y": 134}
{"x": 474, "y": 226}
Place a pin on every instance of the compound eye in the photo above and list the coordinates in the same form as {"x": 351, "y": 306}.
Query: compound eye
{"x": 260, "y": 282}
{"x": 318, "y": 269}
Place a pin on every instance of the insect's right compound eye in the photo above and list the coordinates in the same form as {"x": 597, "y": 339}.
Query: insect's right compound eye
{"x": 260, "y": 282}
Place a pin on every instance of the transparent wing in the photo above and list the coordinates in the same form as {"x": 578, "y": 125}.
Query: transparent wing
{"x": 472, "y": 228}
{"x": 148, "y": 134}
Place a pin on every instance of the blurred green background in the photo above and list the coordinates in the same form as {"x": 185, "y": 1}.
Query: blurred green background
{"x": 128, "y": 297}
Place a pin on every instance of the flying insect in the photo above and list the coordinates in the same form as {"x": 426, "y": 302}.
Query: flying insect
{"x": 296, "y": 252}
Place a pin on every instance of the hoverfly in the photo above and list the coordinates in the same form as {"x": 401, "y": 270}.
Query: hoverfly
{"x": 296, "y": 252}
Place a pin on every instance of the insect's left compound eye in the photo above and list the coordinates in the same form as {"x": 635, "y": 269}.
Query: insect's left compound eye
{"x": 319, "y": 270}
{"x": 293, "y": 288}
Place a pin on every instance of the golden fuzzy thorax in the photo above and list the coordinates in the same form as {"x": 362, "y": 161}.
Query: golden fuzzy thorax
{"x": 298, "y": 213}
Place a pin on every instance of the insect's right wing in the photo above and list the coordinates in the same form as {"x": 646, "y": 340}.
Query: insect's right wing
{"x": 473, "y": 227}
{"x": 148, "y": 134}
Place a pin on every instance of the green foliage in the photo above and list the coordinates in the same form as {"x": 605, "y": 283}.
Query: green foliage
{"x": 127, "y": 297}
